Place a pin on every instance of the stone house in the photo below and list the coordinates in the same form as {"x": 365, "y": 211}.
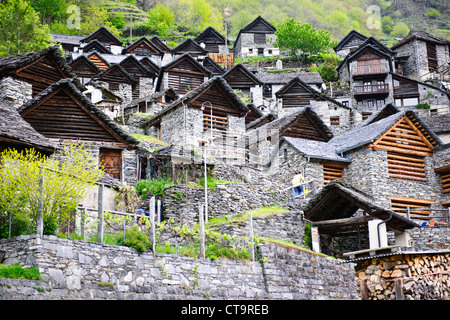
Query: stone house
{"x": 393, "y": 161}
{"x": 245, "y": 83}
{"x": 62, "y": 113}
{"x": 187, "y": 121}
{"x": 183, "y": 74}
{"x": 152, "y": 103}
{"x": 256, "y": 39}
{"x": 68, "y": 42}
{"x": 349, "y": 43}
{"x": 421, "y": 56}
{"x": 303, "y": 123}
{"x": 297, "y": 94}
{"x": 367, "y": 70}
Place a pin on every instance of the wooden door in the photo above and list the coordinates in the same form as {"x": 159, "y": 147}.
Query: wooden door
{"x": 112, "y": 160}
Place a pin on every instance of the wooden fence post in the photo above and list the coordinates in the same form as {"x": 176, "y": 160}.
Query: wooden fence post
{"x": 252, "y": 244}
{"x": 152, "y": 221}
{"x": 100, "y": 214}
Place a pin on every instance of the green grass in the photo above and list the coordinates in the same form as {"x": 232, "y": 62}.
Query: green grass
{"x": 15, "y": 271}
{"x": 143, "y": 137}
{"x": 261, "y": 212}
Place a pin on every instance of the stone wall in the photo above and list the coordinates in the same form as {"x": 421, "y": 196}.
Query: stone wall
{"x": 15, "y": 91}
{"x": 76, "y": 269}
{"x": 182, "y": 203}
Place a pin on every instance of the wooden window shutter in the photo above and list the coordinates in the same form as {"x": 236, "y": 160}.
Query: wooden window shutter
{"x": 332, "y": 171}
{"x": 444, "y": 172}
{"x": 418, "y": 207}
{"x": 112, "y": 160}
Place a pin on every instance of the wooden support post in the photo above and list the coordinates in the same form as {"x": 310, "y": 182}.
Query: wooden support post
{"x": 152, "y": 221}
{"x": 83, "y": 222}
{"x": 100, "y": 214}
{"x": 159, "y": 211}
{"x": 399, "y": 290}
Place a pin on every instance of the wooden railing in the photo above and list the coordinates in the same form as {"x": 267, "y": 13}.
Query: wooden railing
{"x": 371, "y": 89}
{"x": 380, "y": 68}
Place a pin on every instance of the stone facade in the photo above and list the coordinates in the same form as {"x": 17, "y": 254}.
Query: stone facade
{"x": 15, "y": 92}
{"x": 81, "y": 270}
{"x": 246, "y": 47}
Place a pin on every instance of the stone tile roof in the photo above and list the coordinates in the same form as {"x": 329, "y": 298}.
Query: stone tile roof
{"x": 74, "y": 89}
{"x": 285, "y": 77}
{"x": 363, "y": 135}
{"x": 339, "y": 200}
{"x": 314, "y": 149}
{"x": 438, "y": 123}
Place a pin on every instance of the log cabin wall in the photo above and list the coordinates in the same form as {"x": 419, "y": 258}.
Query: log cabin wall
{"x": 183, "y": 76}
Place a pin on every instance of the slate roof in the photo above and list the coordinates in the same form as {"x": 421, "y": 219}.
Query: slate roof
{"x": 103, "y": 29}
{"x": 14, "y": 127}
{"x": 67, "y": 38}
{"x": 95, "y": 111}
{"x": 414, "y": 34}
{"x": 338, "y": 200}
{"x": 363, "y": 135}
{"x": 351, "y": 34}
{"x": 438, "y": 123}
{"x": 244, "y": 70}
{"x": 314, "y": 149}
{"x": 284, "y": 122}
{"x": 10, "y": 64}
{"x": 285, "y": 77}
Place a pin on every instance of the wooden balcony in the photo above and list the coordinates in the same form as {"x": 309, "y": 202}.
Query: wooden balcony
{"x": 371, "y": 90}
{"x": 362, "y": 71}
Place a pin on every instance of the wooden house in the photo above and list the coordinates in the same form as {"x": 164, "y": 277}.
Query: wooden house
{"x": 212, "y": 66}
{"x": 37, "y": 69}
{"x": 161, "y": 44}
{"x": 187, "y": 121}
{"x": 190, "y": 47}
{"x": 245, "y": 82}
{"x": 84, "y": 68}
{"x": 118, "y": 80}
{"x": 62, "y": 113}
{"x": 256, "y": 39}
{"x": 213, "y": 41}
{"x": 16, "y": 133}
{"x": 349, "y": 43}
{"x": 95, "y": 46}
{"x": 422, "y": 56}
{"x": 106, "y": 38}
{"x": 144, "y": 47}
{"x": 183, "y": 74}
{"x": 151, "y": 65}
{"x": 392, "y": 160}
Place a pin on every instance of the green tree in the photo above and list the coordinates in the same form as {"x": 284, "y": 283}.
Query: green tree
{"x": 400, "y": 30}
{"x": 160, "y": 19}
{"x": 386, "y": 24}
{"x": 21, "y": 30}
{"x": 302, "y": 40}
{"x": 50, "y": 10}
{"x": 64, "y": 183}
{"x": 197, "y": 15}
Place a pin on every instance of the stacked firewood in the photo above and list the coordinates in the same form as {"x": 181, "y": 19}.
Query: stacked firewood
{"x": 404, "y": 276}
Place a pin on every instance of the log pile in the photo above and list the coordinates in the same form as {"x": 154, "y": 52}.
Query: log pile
{"x": 405, "y": 276}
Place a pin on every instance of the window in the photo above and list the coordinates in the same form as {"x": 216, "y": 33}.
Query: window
{"x": 261, "y": 52}
{"x": 112, "y": 160}
{"x": 406, "y": 102}
{"x": 380, "y": 103}
{"x": 370, "y": 103}
{"x": 334, "y": 121}
{"x": 367, "y": 86}
{"x": 396, "y": 84}
{"x": 218, "y": 123}
{"x": 345, "y": 103}
{"x": 406, "y": 167}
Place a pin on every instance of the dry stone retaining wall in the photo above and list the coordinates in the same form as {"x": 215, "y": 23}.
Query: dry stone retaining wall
{"x": 76, "y": 269}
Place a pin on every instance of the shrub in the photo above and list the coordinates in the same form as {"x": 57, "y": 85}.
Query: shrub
{"x": 154, "y": 187}
{"x": 137, "y": 239}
